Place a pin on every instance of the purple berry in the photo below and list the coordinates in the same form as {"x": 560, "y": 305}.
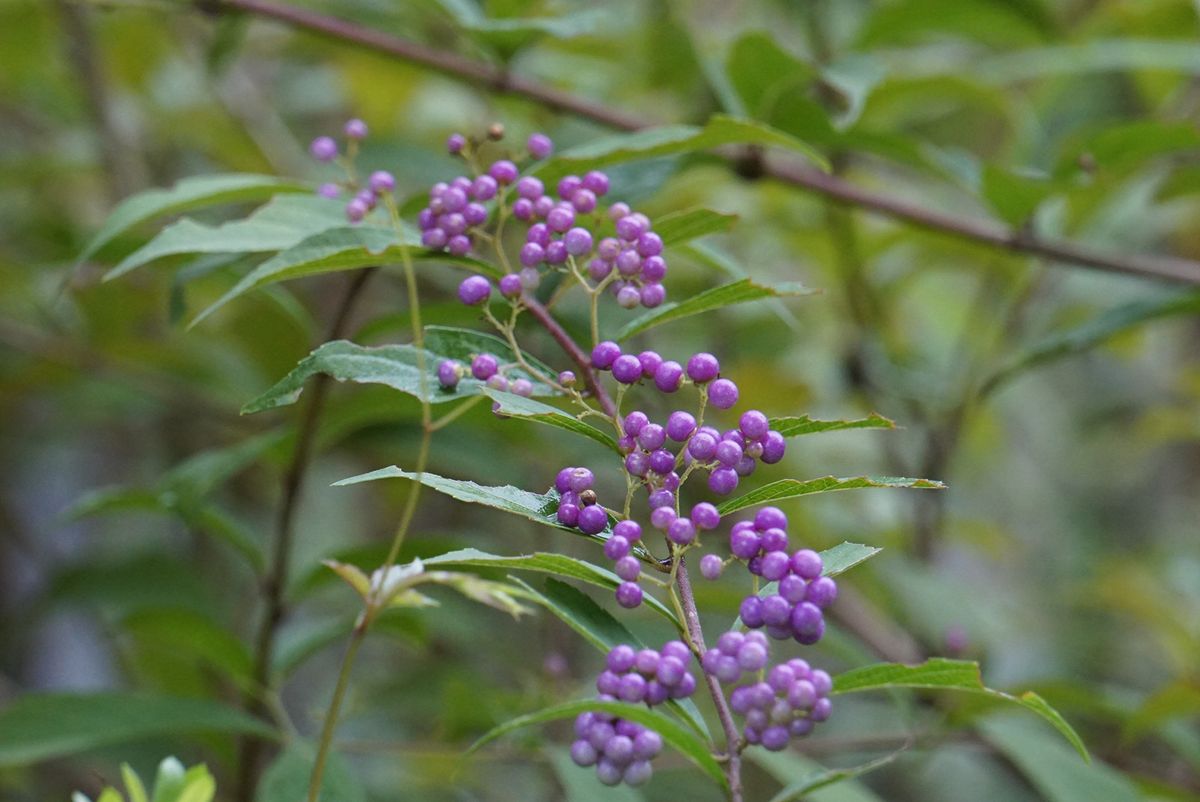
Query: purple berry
{"x": 633, "y": 689}
{"x": 822, "y": 592}
{"x": 775, "y": 565}
{"x": 753, "y": 424}
{"x": 504, "y": 171}
{"x": 668, "y": 377}
{"x": 629, "y": 595}
{"x": 702, "y": 446}
{"x": 752, "y": 656}
{"x": 630, "y": 530}
{"x": 356, "y": 210}
{"x": 522, "y": 387}
{"x": 617, "y": 211}
{"x": 323, "y": 149}
{"x": 711, "y": 566}
{"x": 459, "y": 245}
{"x": 637, "y": 464}
{"x": 381, "y": 181}
{"x": 628, "y": 296}
{"x": 703, "y": 367}
{"x": 774, "y": 539}
{"x": 652, "y": 435}
{"x": 630, "y": 228}
{"x": 580, "y": 479}
{"x": 649, "y": 244}
{"x": 705, "y": 516}
{"x": 474, "y": 290}
{"x": 484, "y": 188}
{"x": 770, "y": 518}
{"x": 627, "y": 369}
{"x": 543, "y": 205}
{"x": 775, "y": 610}
{"x": 750, "y": 612}
{"x": 584, "y": 754}
{"x": 662, "y": 462}
{"x": 522, "y": 209}
{"x": 566, "y": 378}
{"x": 744, "y": 543}
{"x": 723, "y": 394}
{"x": 560, "y": 219}
{"x": 578, "y": 241}
{"x": 592, "y": 519}
{"x": 475, "y": 214}
{"x": 628, "y": 263}
{"x": 584, "y": 201}
{"x": 454, "y": 144}
{"x": 806, "y": 563}
{"x": 821, "y": 681}
{"x": 568, "y": 514}
{"x": 484, "y": 366}
{"x": 821, "y": 710}
{"x": 634, "y": 421}
{"x": 662, "y": 517}
{"x": 530, "y": 187}
{"x": 652, "y": 295}
{"x": 627, "y": 568}
{"x": 806, "y": 618}
{"x": 650, "y": 362}
{"x": 680, "y": 426}
{"x": 728, "y": 453}
{"x": 681, "y": 531}
{"x": 540, "y": 146}
{"x": 605, "y": 354}
{"x": 510, "y": 285}
{"x": 723, "y": 481}
{"x": 793, "y": 588}
{"x": 568, "y": 185}
{"x": 773, "y": 448}
{"x": 329, "y": 190}
{"x": 654, "y": 269}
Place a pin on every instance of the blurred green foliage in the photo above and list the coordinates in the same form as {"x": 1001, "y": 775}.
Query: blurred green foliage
{"x": 1059, "y": 403}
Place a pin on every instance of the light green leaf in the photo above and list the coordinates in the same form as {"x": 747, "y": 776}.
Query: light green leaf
{"x": 1051, "y": 767}
{"x": 284, "y": 221}
{"x": 1015, "y": 195}
{"x": 736, "y": 292}
{"x": 41, "y": 726}
{"x": 668, "y": 140}
{"x": 168, "y": 780}
{"x": 959, "y": 675}
{"x": 1094, "y": 332}
{"x": 777, "y": 87}
{"x": 190, "y": 193}
{"x": 498, "y": 595}
{"x": 133, "y": 784}
{"x": 793, "y": 488}
{"x": 286, "y": 779}
{"x": 822, "y": 778}
{"x": 673, "y": 733}
{"x": 803, "y": 424}
{"x": 689, "y": 224}
{"x": 788, "y": 765}
{"x": 715, "y": 259}
{"x": 515, "y": 406}
{"x": 198, "y": 786}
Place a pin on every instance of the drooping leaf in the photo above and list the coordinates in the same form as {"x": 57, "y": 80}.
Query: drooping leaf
{"x": 284, "y": 221}
{"x": 1094, "y": 332}
{"x": 1052, "y": 768}
{"x": 959, "y": 675}
{"x": 188, "y": 194}
{"x": 41, "y": 726}
{"x": 788, "y": 766}
{"x": 1015, "y": 196}
{"x": 287, "y": 778}
{"x": 673, "y": 733}
{"x": 515, "y": 406}
{"x": 668, "y": 140}
{"x": 792, "y": 488}
{"x": 736, "y": 292}
{"x": 803, "y": 424}
{"x": 822, "y": 778}
{"x": 686, "y": 225}
{"x": 578, "y": 611}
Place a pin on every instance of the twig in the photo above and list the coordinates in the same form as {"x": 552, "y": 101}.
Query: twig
{"x": 567, "y": 343}
{"x": 500, "y": 80}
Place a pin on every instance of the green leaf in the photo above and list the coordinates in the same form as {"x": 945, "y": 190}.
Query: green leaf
{"x": 793, "y": 488}
{"x": 510, "y": 34}
{"x": 822, "y": 778}
{"x": 788, "y": 765}
{"x": 673, "y": 733}
{"x": 941, "y": 674}
{"x": 190, "y": 193}
{"x": 198, "y": 786}
{"x": 515, "y": 406}
{"x": 168, "y": 780}
{"x": 668, "y": 140}
{"x": 41, "y": 726}
{"x": 581, "y": 613}
{"x": 133, "y": 784}
{"x": 286, "y": 779}
{"x": 803, "y": 424}
{"x": 1051, "y": 767}
{"x": 1094, "y": 332}
{"x": 548, "y": 563}
{"x": 689, "y": 224}
{"x": 395, "y": 366}
{"x": 1015, "y": 195}
{"x": 284, "y": 221}
{"x": 580, "y": 784}
{"x": 776, "y": 87}
{"x": 736, "y": 292}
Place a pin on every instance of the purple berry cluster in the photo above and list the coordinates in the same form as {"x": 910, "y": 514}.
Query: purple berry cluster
{"x": 647, "y": 675}
{"x": 486, "y": 368}
{"x": 792, "y": 700}
{"x": 456, "y": 209}
{"x": 380, "y": 183}
{"x": 796, "y": 608}
{"x": 621, "y": 750}
{"x": 735, "y": 653}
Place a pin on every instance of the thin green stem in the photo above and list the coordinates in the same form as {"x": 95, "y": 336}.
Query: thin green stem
{"x": 335, "y": 707}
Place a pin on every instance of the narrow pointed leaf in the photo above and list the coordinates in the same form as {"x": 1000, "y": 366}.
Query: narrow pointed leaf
{"x": 1052, "y": 768}
{"x": 133, "y": 784}
{"x": 793, "y": 488}
{"x": 515, "y": 406}
{"x": 822, "y": 778}
{"x": 959, "y": 675}
{"x": 736, "y": 292}
{"x": 803, "y": 424}
{"x": 673, "y": 733}
{"x": 190, "y": 193}
{"x": 689, "y": 224}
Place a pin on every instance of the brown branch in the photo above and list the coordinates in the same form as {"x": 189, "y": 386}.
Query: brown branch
{"x": 497, "y": 79}
{"x": 568, "y": 344}
{"x": 275, "y": 582}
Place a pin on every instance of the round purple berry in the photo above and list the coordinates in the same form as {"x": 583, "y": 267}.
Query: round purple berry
{"x": 652, "y": 436}
{"x": 668, "y": 377}
{"x": 649, "y": 244}
{"x": 605, "y": 354}
{"x": 330, "y": 190}
{"x": 568, "y": 514}
{"x": 705, "y": 516}
{"x": 522, "y": 209}
{"x": 510, "y": 285}
{"x": 560, "y": 218}
{"x": 773, "y": 448}
{"x": 662, "y": 461}
{"x": 323, "y": 149}
{"x": 770, "y": 518}
{"x": 484, "y": 366}
{"x": 751, "y": 612}
{"x": 635, "y": 420}
{"x": 711, "y": 566}
{"x": 662, "y": 517}
{"x": 703, "y": 367}
{"x": 744, "y": 543}
{"x": 822, "y": 591}
{"x": 627, "y": 369}
{"x": 723, "y": 394}
{"x": 434, "y": 239}
{"x": 680, "y": 426}
{"x": 504, "y": 171}
{"x": 627, "y": 567}
{"x": 681, "y": 531}
{"x": 356, "y": 210}
{"x": 447, "y": 373}
{"x": 567, "y": 186}
{"x": 806, "y": 563}
{"x": 566, "y": 378}
{"x": 578, "y": 241}
{"x": 723, "y": 481}
{"x": 652, "y": 295}
{"x": 702, "y": 446}
{"x": 637, "y": 463}
{"x": 775, "y": 565}
{"x": 753, "y": 424}
{"x": 474, "y": 290}
{"x": 592, "y": 519}
{"x": 584, "y": 201}
{"x": 540, "y": 146}
{"x": 654, "y": 269}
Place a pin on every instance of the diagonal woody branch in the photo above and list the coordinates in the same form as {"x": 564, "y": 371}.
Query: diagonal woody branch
{"x": 1168, "y": 268}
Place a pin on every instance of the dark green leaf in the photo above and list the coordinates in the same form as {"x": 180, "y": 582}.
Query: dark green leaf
{"x": 578, "y": 611}
{"x": 42, "y": 726}
{"x": 736, "y": 292}
{"x": 793, "y": 488}
{"x": 959, "y": 675}
{"x": 515, "y": 406}
{"x": 673, "y": 733}
{"x": 1051, "y": 767}
{"x": 802, "y": 424}
{"x": 689, "y": 224}
{"x": 188, "y": 194}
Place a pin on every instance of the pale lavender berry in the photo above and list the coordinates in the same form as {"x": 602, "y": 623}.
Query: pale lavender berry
{"x": 752, "y": 656}
{"x": 633, "y": 689}
{"x": 592, "y": 519}
{"x": 381, "y": 181}
{"x": 617, "y": 211}
{"x": 821, "y": 681}
{"x": 662, "y": 517}
{"x": 744, "y": 543}
{"x": 670, "y": 671}
{"x": 560, "y": 219}
{"x": 462, "y": 182}
{"x": 822, "y": 591}
{"x": 638, "y": 773}
{"x": 484, "y": 366}
{"x": 459, "y": 245}
{"x": 620, "y": 658}
{"x": 356, "y": 210}
{"x": 510, "y": 285}
{"x": 556, "y": 253}
{"x": 705, "y": 516}
{"x": 770, "y": 518}
{"x": 753, "y": 424}
{"x": 475, "y": 214}
{"x": 584, "y": 201}
{"x": 453, "y": 223}
{"x": 596, "y": 182}
{"x": 728, "y": 453}
{"x": 629, "y": 228}
{"x": 685, "y": 688}
{"x": 538, "y": 233}
{"x": 484, "y": 188}
{"x": 566, "y": 378}
{"x": 703, "y": 367}
{"x": 637, "y": 464}
{"x": 504, "y": 171}
{"x": 654, "y": 269}
{"x": 634, "y": 421}
{"x": 628, "y": 568}
{"x": 522, "y": 387}
{"x": 584, "y": 754}
{"x": 543, "y": 205}
{"x": 608, "y": 249}
{"x": 628, "y": 263}
{"x": 723, "y": 481}
{"x": 455, "y": 199}
{"x": 568, "y": 185}
{"x": 775, "y": 565}
{"x": 608, "y": 682}
{"x": 447, "y": 373}
{"x": 650, "y": 362}
{"x": 668, "y": 377}
{"x": 750, "y": 612}
{"x": 605, "y": 354}
{"x": 702, "y": 446}
{"x": 652, "y": 436}
{"x": 801, "y": 694}
{"x": 677, "y": 649}
{"x": 711, "y": 566}
{"x": 661, "y": 461}
{"x": 329, "y": 190}
{"x": 578, "y": 241}
{"x": 652, "y": 295}
{"x": 607, "y": 772}
{"x": 681, "y": 531}
{"x": 540, "y": 146}
{"x": 522, "y": 209}
{"x": 630, "y": 530}
{"x": 498, "y": 382}
{"x": 680, "y": 425}
{"x": 722, "y": 394}
{"x": 323, "y": 149}
{"x": 532, "y": 254}
{"x": 649, "y": 244}
{"x": 821, "y": 709}
{"x": 455, "y": 143}
{"x": 647, "y": 661}
{"x": 628, "y": 297}
{"x": 773, "y": 448}
{"x": 530, "y": 278}
{"x": 530, "y": 187}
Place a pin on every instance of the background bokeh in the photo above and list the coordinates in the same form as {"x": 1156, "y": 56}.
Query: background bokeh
{"x": 1065, "y": 556}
